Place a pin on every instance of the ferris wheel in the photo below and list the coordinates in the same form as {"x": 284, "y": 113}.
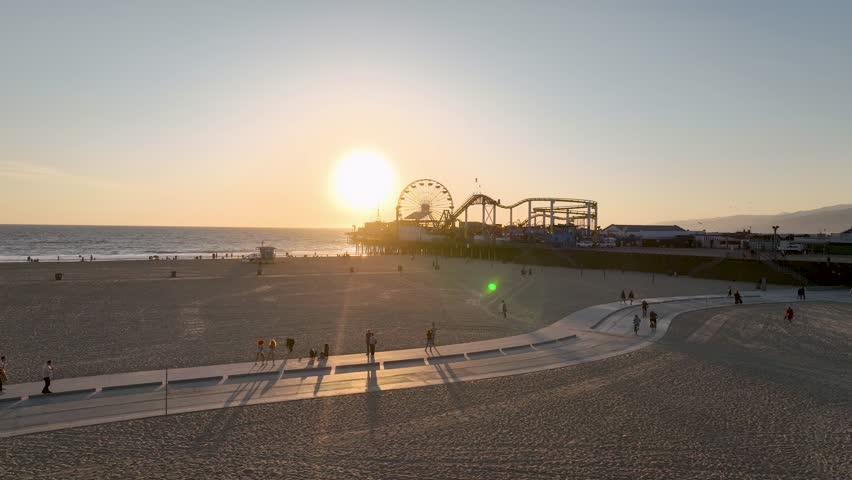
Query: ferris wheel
{"x": 424, "y": 201}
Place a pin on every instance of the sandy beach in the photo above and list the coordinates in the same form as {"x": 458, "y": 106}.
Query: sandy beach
{"x": 759, "y": 398}
{"x": 425, "y": 240}
{"x": 110, "y": 317}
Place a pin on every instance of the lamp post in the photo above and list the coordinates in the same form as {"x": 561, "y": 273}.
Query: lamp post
{"x": 775, "y": 241}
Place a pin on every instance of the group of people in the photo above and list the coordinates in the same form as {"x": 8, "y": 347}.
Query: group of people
{"x": 266, "y": 350}
{"x": 371, "y": 340}
{"x": 526, "y": 271}
{"x": 788, "y": 313}
{"x": 652, "y": 320}
{"x": 46, "y": 374}
{"x": 627, "y": 297}
{"x": 738, "y": 298}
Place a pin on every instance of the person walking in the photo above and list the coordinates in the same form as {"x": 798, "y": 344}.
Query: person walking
{"x": 738, "y": 299}
{"x": 644, "y": 309}
{"x": 429, "y": 340}
{"x": 367, "y": 341}
{"x": 503, "y": 308}
{"x": 631, "y": 297}
{"x": 260, "y": 356}
{"x": 730, "y": 291}
{"x": 373, "y": 342}
{"x": 623, "y": 297}
{"x": 788, "y": 315}
{"x": 636, "y": 323}
{"x": 653, "y": 321}
{"x": 47, "y": 375}
{"x": 3, "y": 378}
{"x": 272, "y": 346}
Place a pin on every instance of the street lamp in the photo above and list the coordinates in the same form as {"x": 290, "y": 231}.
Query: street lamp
{"x": 775, "y": 241}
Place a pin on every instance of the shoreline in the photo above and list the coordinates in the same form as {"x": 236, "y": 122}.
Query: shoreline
{"x": 144, "y": 257}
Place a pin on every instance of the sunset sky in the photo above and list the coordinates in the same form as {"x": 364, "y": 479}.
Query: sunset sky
{"x": 237, "y": 113}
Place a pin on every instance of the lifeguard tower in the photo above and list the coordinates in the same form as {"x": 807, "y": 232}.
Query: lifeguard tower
{"x": 267, "y": 254}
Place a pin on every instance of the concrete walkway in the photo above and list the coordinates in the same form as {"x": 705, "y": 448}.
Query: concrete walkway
{"x": 587, "y": 335}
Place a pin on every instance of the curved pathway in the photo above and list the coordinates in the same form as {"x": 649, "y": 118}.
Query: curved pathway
{"x": 587, "y": 335}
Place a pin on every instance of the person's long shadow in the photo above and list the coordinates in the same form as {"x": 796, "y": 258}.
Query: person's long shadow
{"x": 225, "y": 419}
{"x": 319, "y": 364}
{"x": 450, "y": 380}
{"x": 373, "y": 398}
{"x": 271, "y": 382}
{"x": 216, "y": 430}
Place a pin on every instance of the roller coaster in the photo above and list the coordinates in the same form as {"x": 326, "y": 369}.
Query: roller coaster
{"x": 428, "y": 203}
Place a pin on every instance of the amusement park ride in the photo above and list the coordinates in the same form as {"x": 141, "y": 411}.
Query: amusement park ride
{"x": 428, "y": 203}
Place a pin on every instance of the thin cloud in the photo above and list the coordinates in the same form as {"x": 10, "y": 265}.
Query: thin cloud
{"x": 31, "y": 172}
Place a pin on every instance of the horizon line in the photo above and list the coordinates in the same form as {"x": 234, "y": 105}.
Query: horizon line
{"x": 161, "y": 226}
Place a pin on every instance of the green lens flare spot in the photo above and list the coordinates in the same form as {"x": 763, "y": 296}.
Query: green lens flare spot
{"x": 492, "y": 286}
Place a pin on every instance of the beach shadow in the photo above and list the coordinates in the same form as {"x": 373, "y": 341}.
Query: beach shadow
{"x": 373, "y": 398}
{"x": 450, "y": 379}
{"x": 269, "y": 384}
{"x": 319, "y": 364}
{"x": 247, "y": 388}
{"x": 59, "y": 397}
{"x": 216, "y": 431}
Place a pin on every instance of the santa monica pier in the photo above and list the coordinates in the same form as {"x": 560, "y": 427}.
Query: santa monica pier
{"x": 564, "y": 231}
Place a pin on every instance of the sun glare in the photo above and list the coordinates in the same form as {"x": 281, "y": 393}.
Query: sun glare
{"x": 363, "y": 179}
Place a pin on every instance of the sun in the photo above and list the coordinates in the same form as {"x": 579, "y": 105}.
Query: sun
{"x": 362, "y": 179}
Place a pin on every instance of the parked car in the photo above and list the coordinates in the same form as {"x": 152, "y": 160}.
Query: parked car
{"x": 608, "y": 243}
{"x": 585, "y": 244}
{"x": 791, "y": 248}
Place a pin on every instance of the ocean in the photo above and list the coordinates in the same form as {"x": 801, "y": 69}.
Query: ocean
{"x": 51, "y": 243}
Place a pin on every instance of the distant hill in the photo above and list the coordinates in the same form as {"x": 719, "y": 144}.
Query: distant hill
{"x": 831, "y": 219}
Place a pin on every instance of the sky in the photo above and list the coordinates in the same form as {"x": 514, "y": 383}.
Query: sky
{"x": 236, "y": 113}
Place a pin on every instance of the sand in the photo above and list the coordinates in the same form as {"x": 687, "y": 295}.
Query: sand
{"x": 111, "y": 317}
{"x": 759, "y": 398}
